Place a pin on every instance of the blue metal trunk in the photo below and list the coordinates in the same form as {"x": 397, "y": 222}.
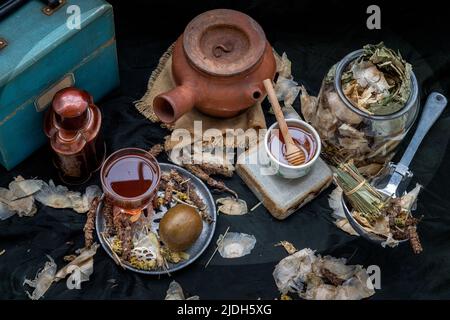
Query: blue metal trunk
{"x": 45, "y": 53}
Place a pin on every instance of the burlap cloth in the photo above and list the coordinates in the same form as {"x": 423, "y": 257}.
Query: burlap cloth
{"x": 161, "y": 80}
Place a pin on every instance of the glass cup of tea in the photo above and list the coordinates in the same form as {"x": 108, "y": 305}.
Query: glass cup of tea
{"x": 130, "y": 179}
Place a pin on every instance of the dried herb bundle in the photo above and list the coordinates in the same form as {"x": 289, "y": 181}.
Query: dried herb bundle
{"x": 387, "y": 217}
{"x": 363, "y": 197}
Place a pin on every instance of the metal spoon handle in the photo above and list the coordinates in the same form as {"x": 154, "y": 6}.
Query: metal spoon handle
{"x": 434, "y": 107}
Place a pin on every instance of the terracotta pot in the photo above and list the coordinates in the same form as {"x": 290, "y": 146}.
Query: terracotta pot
{"x": 218, "y": 65}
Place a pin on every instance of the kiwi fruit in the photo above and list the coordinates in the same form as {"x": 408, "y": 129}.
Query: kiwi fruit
{"x": 180, "y": 227}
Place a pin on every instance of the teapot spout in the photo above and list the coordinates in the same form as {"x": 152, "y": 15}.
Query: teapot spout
{"x": 171, "y": 105}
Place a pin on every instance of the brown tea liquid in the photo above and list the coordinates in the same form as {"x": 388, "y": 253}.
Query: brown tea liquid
{"x": 303, "y": 139}
{"x": 130, "y": 176}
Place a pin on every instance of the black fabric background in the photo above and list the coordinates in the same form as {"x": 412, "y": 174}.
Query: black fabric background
{"x": 315, "y": 35}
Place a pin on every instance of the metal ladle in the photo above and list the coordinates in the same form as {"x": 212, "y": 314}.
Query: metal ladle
{"x": 399, "y": 174}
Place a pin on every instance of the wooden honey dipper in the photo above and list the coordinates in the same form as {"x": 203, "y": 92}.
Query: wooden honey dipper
{"x": 294, "y": 155}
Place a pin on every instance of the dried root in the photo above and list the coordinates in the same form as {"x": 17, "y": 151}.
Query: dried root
{"x": 331, "y": 277}
{"x": 202, "y": 175}
{"x": 108, "y": 216}
{"x": 156, "y": 150}
{"x": 90, "y": 224}
{"x": 216, "y": 169}
{"x": 123, "y": 228}
{"x": 168, "y": 193}
{"x": 414, "y": 239}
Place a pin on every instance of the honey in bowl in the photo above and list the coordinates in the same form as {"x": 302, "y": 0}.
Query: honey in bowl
{"x": 302, "y": 137}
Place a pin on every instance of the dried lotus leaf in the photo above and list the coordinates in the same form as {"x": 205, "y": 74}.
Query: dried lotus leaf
{"x": 232, "y": 206}
{"x": 371, "y": 170}
{"x": 368, "y": 75}
{"x": 302, "y": 272}
{"x": 174, "y": 257}
{"x": 43, "y": 280}
{"x": 408, "y": 201}
{"x": 355, "y": 146}
{"x": 291, "y": 271}
{"x": 340, "y": 110}
{"x": 325, "y": 123}
{"x": 286, "y": 90}
{"x": 5, "y": 211}
{"x": 175, "y": 292}
{"x": 389, "y": 128}
{"x": 87, "y": 198}
{"x": 6, "y": 195}
{"x": 18, "y": 199}
{"x": 23, "y": 188}
{"x": 348, "y": 131}
{"x": 83, "y": 263}
{"x": 390, "y": 242}
{"x": 345, "y": 226}
{"x": 24, "y": 207}
{"x": 11, "y": 204}
{"x": 57, "y": 196}
{"x": 379, "y": 227}
{"x": 60, "y": 197}
{"x": 235, "y": 245}
{"x": 284, "y": 66}
{"x": 308, "y": 105}
{"x": 335, "y": 203}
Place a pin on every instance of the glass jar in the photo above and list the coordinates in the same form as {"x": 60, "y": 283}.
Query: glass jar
{"x": 130, "y": 179}
{"x": 350, "y": 133}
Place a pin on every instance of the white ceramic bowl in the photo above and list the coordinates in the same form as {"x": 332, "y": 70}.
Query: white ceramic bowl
{"x": 285, "y": 170}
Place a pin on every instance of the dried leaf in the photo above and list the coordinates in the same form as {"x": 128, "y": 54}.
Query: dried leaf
{"x": 43, "y": 280}
{"x": 61, "y": 197}
{"x": 335, "y": 203}
{"x": 232, "y": 206}
{"x": 286, "y": 90}
{"x": 289, "y": 247}
{"x": 284, "y": 66}
{"x": 379, "y": 81}
{"x": 306, "y": 273}
{"x": 83, "y": 265}
{"x": 345, "y": 226}
{"x": 175, "y": 292}
{"x": 390, "y": 242}
{"x": 308, "y": 105}
{"x": 340, "y": 110}
{"x": 235, "y": 245}
{"x": 18, "y": 199}
{"x": 408, "y": 201}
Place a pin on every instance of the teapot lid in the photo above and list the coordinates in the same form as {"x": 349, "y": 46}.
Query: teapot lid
{"x": 224, "y": 42}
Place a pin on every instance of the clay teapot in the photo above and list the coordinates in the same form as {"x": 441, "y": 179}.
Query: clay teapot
{"x": 218, "y": 65}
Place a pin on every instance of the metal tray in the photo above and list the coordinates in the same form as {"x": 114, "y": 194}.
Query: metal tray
{"x": 196, "y": 250}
